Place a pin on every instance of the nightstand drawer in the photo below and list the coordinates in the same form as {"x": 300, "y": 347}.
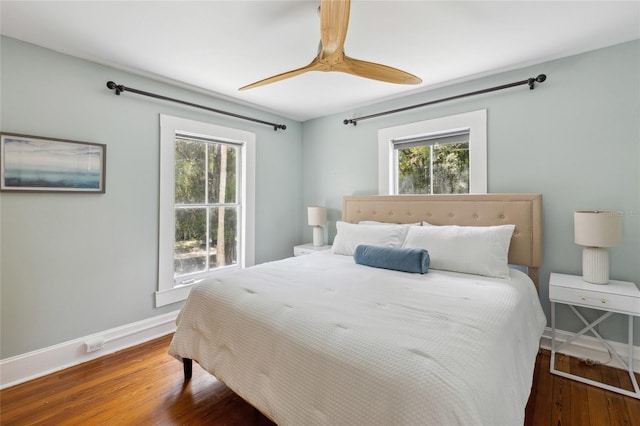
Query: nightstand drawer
{"x": 594, "y": 299}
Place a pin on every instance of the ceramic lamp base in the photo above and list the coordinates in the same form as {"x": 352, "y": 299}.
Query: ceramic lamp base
{"x": 318, "y": 236}
{"x": 595, "y": 265}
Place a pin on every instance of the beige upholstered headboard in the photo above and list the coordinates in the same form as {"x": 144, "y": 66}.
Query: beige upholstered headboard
{"x": 522, "y": 210}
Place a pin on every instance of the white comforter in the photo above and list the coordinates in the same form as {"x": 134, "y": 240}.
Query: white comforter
{"x": 317, "y": 339}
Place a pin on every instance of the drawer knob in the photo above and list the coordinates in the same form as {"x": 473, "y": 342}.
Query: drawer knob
{"x": 583, "y": 298}
{"x": 604, "y": 300}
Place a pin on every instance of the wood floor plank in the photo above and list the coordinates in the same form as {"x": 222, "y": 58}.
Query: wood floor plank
{"x": 561, "y": 408}
{"x": 632, "y": 405}
{"x": 579, "y": 399}
{"x": 618, "y": 414}
{"x": 144, "y": 385}
{"x": 596, "y": 398}
{"x": 543, "y": 394}
{"x": 530, "y": 409}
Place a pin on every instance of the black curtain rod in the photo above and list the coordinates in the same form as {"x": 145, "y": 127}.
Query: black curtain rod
{"x": 529, "y": 81}
{"x": 119, "y": 88}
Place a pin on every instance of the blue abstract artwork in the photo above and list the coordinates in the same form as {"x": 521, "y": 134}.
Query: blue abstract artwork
{"x": 30, "y": 163}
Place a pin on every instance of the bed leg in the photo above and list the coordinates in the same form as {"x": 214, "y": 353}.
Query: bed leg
{"x": 187, "y": 365}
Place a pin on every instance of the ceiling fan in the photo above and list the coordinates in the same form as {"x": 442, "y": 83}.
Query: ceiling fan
{"x": 334, "y": 20}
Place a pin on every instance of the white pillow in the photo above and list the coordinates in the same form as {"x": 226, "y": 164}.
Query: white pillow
{"x": 480, "y": 250}
{"x": 375, "y": 222}
{"x": 350, "y": 235}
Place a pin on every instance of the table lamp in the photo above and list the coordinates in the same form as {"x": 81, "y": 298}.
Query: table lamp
{"x": 597, "y": 230}
{"x": 317, "y": 218}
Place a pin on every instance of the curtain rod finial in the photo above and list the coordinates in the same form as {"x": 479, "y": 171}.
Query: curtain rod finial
{"x": 540, "y": 78}
{"x": 119, "y": 88}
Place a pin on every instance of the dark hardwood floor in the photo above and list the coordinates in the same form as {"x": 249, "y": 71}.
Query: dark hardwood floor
{"x": 144, "y": 386}
{"x": 559, "y": 401}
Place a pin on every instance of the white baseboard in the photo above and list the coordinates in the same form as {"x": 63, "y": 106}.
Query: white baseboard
{"x": 21, "y": 368}
{"x": 587, "y": 347}
{"x": 38, "y": 363}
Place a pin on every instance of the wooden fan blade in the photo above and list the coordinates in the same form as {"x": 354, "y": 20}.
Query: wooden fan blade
{"x": 313, "y": 66}
{"x": 376, "y": 71}
{"x": 334, "y": 21}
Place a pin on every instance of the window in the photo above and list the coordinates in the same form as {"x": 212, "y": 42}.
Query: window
{"x": 441, "y": 156}
{"x": 432, "y": 164}
{"x": 206, "y": 204}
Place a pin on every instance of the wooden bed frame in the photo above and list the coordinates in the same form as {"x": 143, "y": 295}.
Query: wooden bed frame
{"x": 522, "y": 210}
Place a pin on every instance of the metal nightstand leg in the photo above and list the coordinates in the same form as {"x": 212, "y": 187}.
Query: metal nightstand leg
{"x": 553, "y": 337}
{"x": 630, "y": 358}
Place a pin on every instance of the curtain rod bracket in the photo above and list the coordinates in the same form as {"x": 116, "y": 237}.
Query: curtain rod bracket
{"x": 530, "y": 81}
{"x": 119, "y": 88}
{"x": 540, "y": 78}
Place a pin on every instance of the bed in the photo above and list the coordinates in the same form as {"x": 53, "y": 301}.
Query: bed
{"x": 321, "y": 339}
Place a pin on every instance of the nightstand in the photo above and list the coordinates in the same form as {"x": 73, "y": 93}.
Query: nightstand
{"x": 308, "y": 249}
{"x": 616, "y": 297}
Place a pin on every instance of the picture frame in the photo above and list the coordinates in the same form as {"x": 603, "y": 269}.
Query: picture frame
{"x": 40, "y": 164}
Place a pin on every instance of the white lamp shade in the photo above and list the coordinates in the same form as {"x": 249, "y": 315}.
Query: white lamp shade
{"x": 317, "y": 215}
{"x": 597, "y": 228}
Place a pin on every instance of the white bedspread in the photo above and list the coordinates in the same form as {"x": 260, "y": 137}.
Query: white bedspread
{"x": 317, "y": 339}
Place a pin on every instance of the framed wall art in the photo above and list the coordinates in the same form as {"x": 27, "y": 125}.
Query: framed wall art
{"x": 34, "y": 163}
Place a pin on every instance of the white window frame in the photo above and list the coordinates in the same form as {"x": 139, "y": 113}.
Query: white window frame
{"x": 475, "y": 122}
{"x": 170, "y": 126}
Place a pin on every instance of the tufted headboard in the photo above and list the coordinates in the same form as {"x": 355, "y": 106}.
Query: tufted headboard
{"x": 522, "y": 210}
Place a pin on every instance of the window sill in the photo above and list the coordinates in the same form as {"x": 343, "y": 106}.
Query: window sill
{"x": 181, "y": 292}
{"x": 173, "y": 295}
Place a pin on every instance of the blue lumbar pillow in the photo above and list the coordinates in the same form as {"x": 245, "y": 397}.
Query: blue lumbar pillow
{"x": 396, "y": 258}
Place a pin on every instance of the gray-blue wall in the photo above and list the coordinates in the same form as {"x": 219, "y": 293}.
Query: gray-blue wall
{"x": 77, "y": 264}
{"x": 575, "y": 139}
{"x": 73, "y": 265}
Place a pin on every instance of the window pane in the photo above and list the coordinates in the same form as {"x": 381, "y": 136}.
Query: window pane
{"x": 451, "y": 168}
{"x": 190, "y": 171}
{"x": 414, "y": 170}
{"x": 190, "y": 241}
{"x": 222, "y": 173}
{"x": 224, "y": 236}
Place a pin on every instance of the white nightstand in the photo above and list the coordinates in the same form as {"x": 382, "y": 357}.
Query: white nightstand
{"x": 308, "y": 249}
{"x": 618, "y": 296}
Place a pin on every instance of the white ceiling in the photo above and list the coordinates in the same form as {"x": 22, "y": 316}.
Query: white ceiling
{"x": 219, "y": 46}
